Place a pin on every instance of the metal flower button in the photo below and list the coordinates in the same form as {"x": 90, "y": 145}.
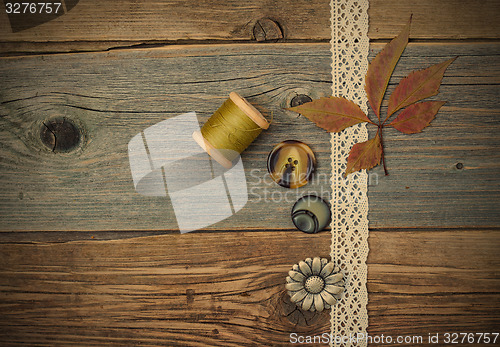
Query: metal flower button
{"x": 315, "y": 284}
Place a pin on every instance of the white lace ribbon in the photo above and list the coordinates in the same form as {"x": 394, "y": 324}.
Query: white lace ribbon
{"x": 349, "y": 46}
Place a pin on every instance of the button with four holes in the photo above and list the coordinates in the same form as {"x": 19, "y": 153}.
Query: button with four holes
{"x": 291, "y": 164}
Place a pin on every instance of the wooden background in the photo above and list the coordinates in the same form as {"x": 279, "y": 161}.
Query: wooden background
{"x": 86, "y": 260}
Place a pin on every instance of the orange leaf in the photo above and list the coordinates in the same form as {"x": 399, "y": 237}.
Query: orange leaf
{"x": 416, "y": 117}
{"x": 381, "y": 68}
{"x": 364, "y": 155}
{"x": 332, "y": 113}
{"x": 417, "y": 86}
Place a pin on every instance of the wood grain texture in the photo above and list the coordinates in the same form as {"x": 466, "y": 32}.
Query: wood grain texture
{"x": 93, "y": 25}
{"x": 67, "y": 286}
{"x": 225, "y": 288}
{"x": 113, "y": 96}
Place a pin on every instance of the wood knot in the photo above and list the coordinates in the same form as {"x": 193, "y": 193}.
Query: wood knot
{"x": 299, "y": 99}
{"x": 290, "y": 315}
{"x": 60, "y": 135}
{"x": 190, "y": 293}
{"x": 267, "y": 30}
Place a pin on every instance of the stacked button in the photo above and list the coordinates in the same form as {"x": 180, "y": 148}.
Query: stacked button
{"x": 311, "y": 214}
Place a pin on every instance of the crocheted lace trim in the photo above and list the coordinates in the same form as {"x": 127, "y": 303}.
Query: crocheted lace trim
{"x": 349, "y": 46}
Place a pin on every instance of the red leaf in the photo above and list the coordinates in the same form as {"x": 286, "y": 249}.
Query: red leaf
{"x": 381, "y": 68}
{"x": 417, "y": 86}
{"x": 332, "y": 113}
{"x": 364, "y": 155}
{"x": 416, "y": 117}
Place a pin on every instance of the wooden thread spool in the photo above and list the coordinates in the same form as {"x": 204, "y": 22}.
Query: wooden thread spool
{"x": 241, "y": 108}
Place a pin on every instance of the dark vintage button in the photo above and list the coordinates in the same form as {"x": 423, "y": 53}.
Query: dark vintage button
{"x": 311, "y": 214}
{"x": 291, "y": 164}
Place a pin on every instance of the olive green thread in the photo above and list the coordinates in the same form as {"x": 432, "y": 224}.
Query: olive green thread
{"x": 229, "y": 129}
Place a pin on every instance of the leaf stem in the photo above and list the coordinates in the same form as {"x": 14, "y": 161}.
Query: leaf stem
{"x": 386, "y": 118}
{"x": 380, "y": 126}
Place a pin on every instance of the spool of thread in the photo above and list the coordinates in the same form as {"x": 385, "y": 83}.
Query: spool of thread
{"x": 230, "y": 130}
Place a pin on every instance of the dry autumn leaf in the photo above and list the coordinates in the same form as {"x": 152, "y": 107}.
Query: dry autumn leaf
{"x": 333, "y": 114}
{"x": 381, "y": 68}
{"x": 417, "y": 86}
{"x": 416, "y": 117}
{"x": 364, "y": 155}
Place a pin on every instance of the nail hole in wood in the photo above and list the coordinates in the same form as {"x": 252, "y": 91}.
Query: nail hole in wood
{"x": 299, "y": 99}
{"x": 459, "y": 166}
{"x": 60, "y": 135}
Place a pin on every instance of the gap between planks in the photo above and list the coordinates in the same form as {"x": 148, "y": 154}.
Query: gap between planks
{"x": 29, "y": 48}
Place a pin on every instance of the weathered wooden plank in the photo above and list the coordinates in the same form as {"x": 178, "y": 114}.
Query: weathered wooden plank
{"x": 225, "y": 288}
{"x": 93, "y": 25}
{"x": 113, "y": 96}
